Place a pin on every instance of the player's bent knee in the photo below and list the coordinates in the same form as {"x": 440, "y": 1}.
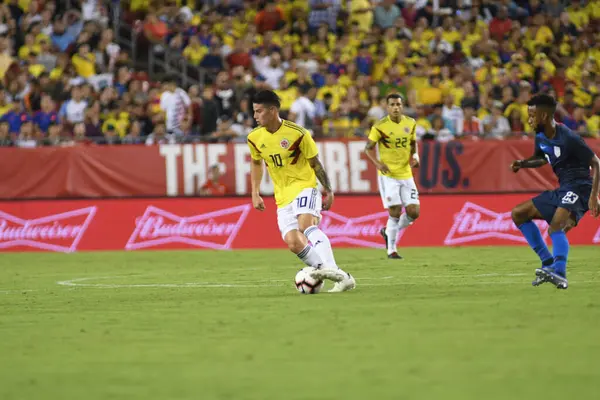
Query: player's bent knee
{"x": 294, "y": 241}
{"x": 305, "y": 221}
{"x": 395, "y": 211}
{"x": 413, "y": 212}
{"x": 519, "y": 215}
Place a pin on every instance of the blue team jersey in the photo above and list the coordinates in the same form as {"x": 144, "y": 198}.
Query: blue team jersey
{"x": 568, "y": 155}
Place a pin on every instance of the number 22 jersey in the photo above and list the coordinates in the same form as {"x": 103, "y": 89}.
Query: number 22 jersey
{"x": 286, "y": 153}
{"x": 393, "y": 139}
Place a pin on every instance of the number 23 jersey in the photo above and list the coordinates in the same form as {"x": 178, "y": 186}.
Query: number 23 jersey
{"x": 286, "y": 153}
{"x": 394, "y": 140}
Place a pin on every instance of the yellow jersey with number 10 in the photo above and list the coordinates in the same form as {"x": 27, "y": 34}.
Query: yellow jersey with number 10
{"x": 286, "y": 153}
{"x": 393, "y": 139}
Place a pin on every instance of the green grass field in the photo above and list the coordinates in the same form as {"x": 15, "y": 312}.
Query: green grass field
{"x": 460, "y": 323}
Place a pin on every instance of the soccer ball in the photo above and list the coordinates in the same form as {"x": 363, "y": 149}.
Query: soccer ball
{"x": 305, "y": 284}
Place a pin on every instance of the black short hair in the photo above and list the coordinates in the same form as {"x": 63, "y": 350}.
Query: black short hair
{"x": 543, "y": 100}
{"x": 267, "y": 98}
{"x": 393, "y": 96}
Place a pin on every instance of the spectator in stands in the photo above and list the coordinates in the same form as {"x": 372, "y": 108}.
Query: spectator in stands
{"x": 5, "y": 139}
{"x": 26, "y": 137}
{"x": 73, "y": 110}
{"x": 303, "y": 109}
{"x": 176, "y": 105}
{"x": 270, "y": 18}
{"x": 210, "y": 112}
{"x": 55, "y": 136}
{"x": 437, "y": 131}
{"x": 453, "y": 114}
{"x": 500, "y": 24}
{"x": 496, "y": 125}
{"x": 323, "y": 12}
{"x": 224, "y": 94}
{"x": 472, "y": 127}
{"x": 47, "y": 115}
{"x": 386, "y": 14}
{"x": 160, "y": 136}
{"x": 135, "y": 134}
{"x": 213, "y": 186}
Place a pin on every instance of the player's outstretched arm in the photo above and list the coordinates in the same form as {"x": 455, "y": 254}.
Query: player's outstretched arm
{"x": 594, "y": 205}
{"x": 372, "y": 156}
{"x": 534, "y": 161}
{"x": 316, "y": 165}
{"x": 256, "y": 173}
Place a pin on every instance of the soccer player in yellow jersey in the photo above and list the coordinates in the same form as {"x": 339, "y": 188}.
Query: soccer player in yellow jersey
{"x": 291, "y": 157}
{"x": 395, "y": 135}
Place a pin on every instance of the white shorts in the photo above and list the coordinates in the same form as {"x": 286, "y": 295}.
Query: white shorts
{"x": 397, "y": 192}
{"x": 307, "y": 202}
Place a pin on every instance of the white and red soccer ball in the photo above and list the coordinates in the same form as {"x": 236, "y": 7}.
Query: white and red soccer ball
{"x": 306, "y": 284}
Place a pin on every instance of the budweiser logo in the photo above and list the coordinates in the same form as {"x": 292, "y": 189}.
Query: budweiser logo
{"x": 597, "y": 236}
{"x": 474, "y": 223}
{"x": 57, "y": 232}
{"x": 360, "y": 231}
{"x": 214, "y": 230}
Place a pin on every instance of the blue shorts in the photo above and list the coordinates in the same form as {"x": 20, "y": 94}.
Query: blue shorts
{"x": 573, "y": 197}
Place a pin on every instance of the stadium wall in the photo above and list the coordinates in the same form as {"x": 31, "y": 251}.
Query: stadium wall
{"x": 232, "y": 223}
{"x": 181, "y": 169}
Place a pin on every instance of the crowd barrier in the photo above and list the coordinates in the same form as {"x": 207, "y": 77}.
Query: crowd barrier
{"x": 181, "y": 169}
{"x": 232, "y": 223}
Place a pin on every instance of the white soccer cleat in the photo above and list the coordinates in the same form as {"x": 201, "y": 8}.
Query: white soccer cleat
{"x": 331, "y": 274}
{"x": 346, "y": 284}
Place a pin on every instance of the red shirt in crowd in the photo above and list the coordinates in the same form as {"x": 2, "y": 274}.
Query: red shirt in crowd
{"x": 211, "y": 188}
{"x": 267, "y": 20}
{"x": 499, "y": 28}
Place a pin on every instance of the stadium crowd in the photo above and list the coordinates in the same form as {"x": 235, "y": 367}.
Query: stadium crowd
{"x": 465, "y": 68}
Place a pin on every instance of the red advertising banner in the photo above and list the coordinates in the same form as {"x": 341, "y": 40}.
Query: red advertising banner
{"x": 232, "y": 223}
{"x": 181, "y": 169}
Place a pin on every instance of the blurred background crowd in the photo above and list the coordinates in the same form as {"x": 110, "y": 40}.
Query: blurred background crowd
{"x": 465, "y": 68}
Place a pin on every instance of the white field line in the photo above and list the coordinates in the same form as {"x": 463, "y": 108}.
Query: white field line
{"x": 84, "y": 282}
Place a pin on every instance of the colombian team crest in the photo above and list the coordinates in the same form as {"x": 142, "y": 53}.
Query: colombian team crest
{"x": 284, "y": 144}
{"x": 406, "y": 129}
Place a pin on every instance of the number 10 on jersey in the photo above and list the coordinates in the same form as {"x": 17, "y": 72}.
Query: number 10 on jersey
{"x": 276, "y": 159}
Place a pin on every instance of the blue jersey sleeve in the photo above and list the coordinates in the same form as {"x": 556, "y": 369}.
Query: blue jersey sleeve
{"x": 580, "y": 149}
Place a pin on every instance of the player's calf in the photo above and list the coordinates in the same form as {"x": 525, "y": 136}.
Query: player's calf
{"x": 298, "y": 245}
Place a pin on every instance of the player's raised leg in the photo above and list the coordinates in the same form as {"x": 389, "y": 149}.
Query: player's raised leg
{"x": 409, "y": 196}
{"x": 523, "y": 216}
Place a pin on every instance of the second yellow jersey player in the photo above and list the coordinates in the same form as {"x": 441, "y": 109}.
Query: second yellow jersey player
{"x": 394, "y": 140}
{"x": 395, "y": 136}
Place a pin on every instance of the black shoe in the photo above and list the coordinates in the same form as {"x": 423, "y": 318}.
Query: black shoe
{"x": 384, "y": 236}
{"x": 395, "y": 256}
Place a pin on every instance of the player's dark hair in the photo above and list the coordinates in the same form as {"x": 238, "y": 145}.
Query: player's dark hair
{"x": 267, "y": 98}
{"x": 543, "y": 100}
{"x": 392, "y": 96}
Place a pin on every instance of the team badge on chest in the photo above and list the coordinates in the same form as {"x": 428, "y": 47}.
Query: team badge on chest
{"x": 284, "y": 143}
{"x": 406, "y": 129}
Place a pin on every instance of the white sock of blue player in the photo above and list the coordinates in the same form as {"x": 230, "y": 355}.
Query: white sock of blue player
{"x": 405, "y": 221}
{"x": 310, "y": 257}
{"x": 322, "y": 245}
{"x": 391, "y": 230}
